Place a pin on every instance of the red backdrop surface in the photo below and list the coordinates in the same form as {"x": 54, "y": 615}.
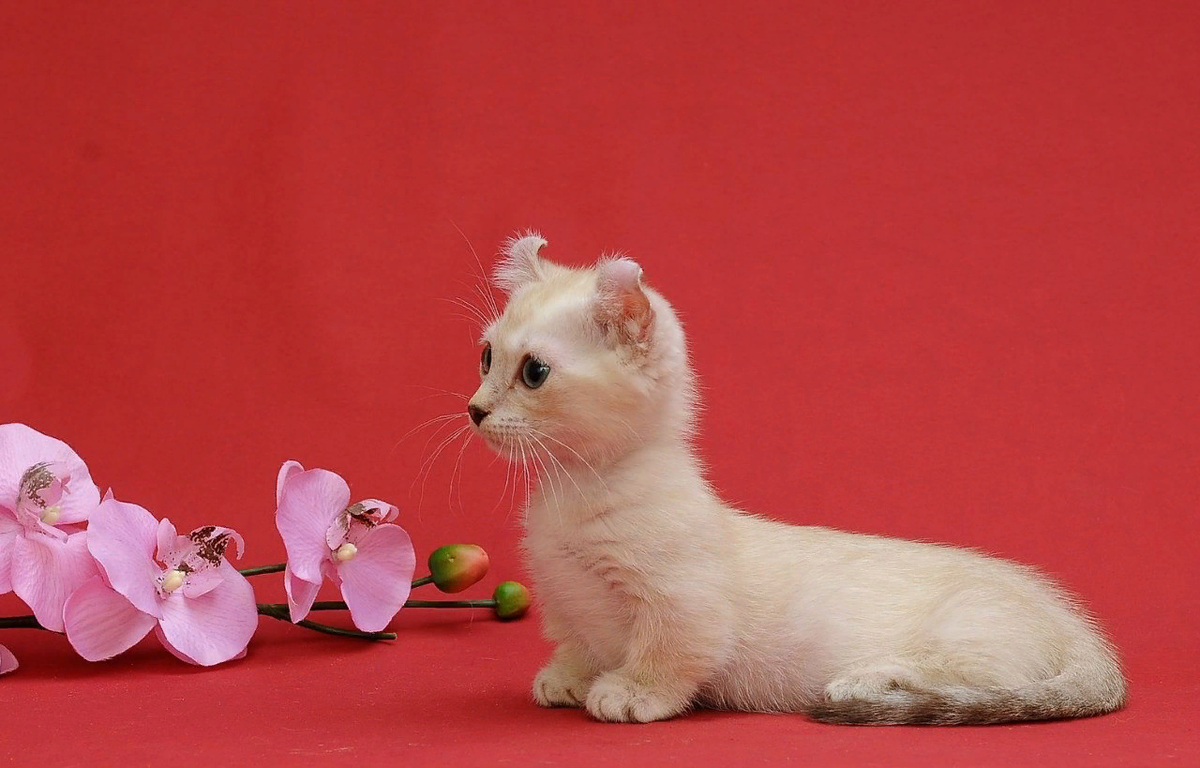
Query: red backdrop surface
{"x": 938, "y": 265}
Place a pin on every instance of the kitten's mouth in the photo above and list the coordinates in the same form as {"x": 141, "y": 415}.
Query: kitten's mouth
{"x": 496, "y": 442}
{"x": 506, "y": 446}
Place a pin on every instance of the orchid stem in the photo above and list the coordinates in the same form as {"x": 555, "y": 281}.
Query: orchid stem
{"x": 450, "y": 604}
{"x": 281, "y": 612}
{"x": 339, "y": 605}
{"x": 20, "y": 622}
{"x": 277, "y": 567}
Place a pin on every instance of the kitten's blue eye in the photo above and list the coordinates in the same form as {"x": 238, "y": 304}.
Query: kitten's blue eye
{"x": 534, "y": 372}
{"x": 485, "y": 360}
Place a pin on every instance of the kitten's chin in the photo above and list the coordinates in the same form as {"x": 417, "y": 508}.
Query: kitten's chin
{"x": 506, "y": 449}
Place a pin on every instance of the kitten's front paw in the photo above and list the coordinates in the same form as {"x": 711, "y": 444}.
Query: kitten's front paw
{"x": 617, "y": 699}
{"x": 559, "y": 686}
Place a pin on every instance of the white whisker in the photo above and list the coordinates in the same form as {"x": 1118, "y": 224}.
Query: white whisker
{"x": 554, "y": 462}
{"x": 438, "y": 390}
{"x": 582, "y": 460}
{"x": 489, "y": 297}
{"x": 525, "y": 465}
{"x": 426, "y": 423}
{"x": 427, "y": 465}
{"x": 454, "y": 472}
{"x": 546, "y": 479}
{"x": 508, "y": 468}
{"x": 477, "y": 315}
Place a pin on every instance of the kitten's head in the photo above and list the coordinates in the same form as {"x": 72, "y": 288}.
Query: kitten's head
{"x": 583, "y": 363}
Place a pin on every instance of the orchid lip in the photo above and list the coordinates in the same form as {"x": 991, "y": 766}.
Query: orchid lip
{"x": 40, "y": 489}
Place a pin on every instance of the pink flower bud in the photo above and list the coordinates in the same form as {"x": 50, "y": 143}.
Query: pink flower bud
{"x": 455, "y": 567}
{"x": 512, "y": 600}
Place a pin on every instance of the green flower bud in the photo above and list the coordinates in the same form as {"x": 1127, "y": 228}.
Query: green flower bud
{"x": 455, "y": 567}
{"x": 512, "y": 600}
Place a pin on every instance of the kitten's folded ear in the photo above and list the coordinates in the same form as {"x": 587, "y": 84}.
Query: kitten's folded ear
{"x": 520, "y": 264}
{"x": 622, "y": 308}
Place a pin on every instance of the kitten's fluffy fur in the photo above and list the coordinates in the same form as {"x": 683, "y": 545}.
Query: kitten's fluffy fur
{"x": 661, "y": 598}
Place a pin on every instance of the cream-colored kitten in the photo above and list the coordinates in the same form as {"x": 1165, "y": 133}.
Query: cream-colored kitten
{"x": 661, "y": 598}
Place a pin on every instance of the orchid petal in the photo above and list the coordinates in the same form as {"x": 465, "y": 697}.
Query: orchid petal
{"x": 8, "y": 662}
{"x": 300, "y": 594}
{"x": 101, "y": 623}
{"x": 215, "y": 627}
{"x": 122, "y": 538}
{"x": 158, "y": 632}
{"x": 164, "y": 538}
{"x": 22, "y": 447}
{"x": 10, "y": 530}
{"x": 330, "y": 572}
{"x": 376, "y": 582}
{"x": 289, "y": 468}
{"x": 45, "y": 572}
{"x": 310, "y": 501}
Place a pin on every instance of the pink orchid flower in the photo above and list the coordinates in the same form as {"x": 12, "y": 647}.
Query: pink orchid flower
{"x": 8, "y": 662}
{"x": 182, "y": 587}
{"x": 353, "y": 545}
{"x": 46, "y": 493}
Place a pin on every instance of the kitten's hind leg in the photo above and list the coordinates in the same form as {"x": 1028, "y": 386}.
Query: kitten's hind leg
{"x": 565, "y": 681}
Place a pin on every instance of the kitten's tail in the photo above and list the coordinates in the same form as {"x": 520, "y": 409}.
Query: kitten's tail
{"x": 1081, "y": 690}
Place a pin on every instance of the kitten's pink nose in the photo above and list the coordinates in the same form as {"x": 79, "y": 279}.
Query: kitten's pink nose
{"x": 477, "y": 413}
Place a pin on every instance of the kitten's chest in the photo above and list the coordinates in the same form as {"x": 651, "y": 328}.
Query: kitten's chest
{"x": 589, "y": 559}
{"x": 584, "y": 578}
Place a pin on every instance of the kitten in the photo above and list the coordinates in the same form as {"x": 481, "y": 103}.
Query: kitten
{"x": 661, "y": 598}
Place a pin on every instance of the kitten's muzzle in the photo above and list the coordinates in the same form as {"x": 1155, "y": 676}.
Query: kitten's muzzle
{"x": 477, "y": 413}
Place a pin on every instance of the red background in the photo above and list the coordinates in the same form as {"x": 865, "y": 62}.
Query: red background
{"x": 938, "y": 265}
